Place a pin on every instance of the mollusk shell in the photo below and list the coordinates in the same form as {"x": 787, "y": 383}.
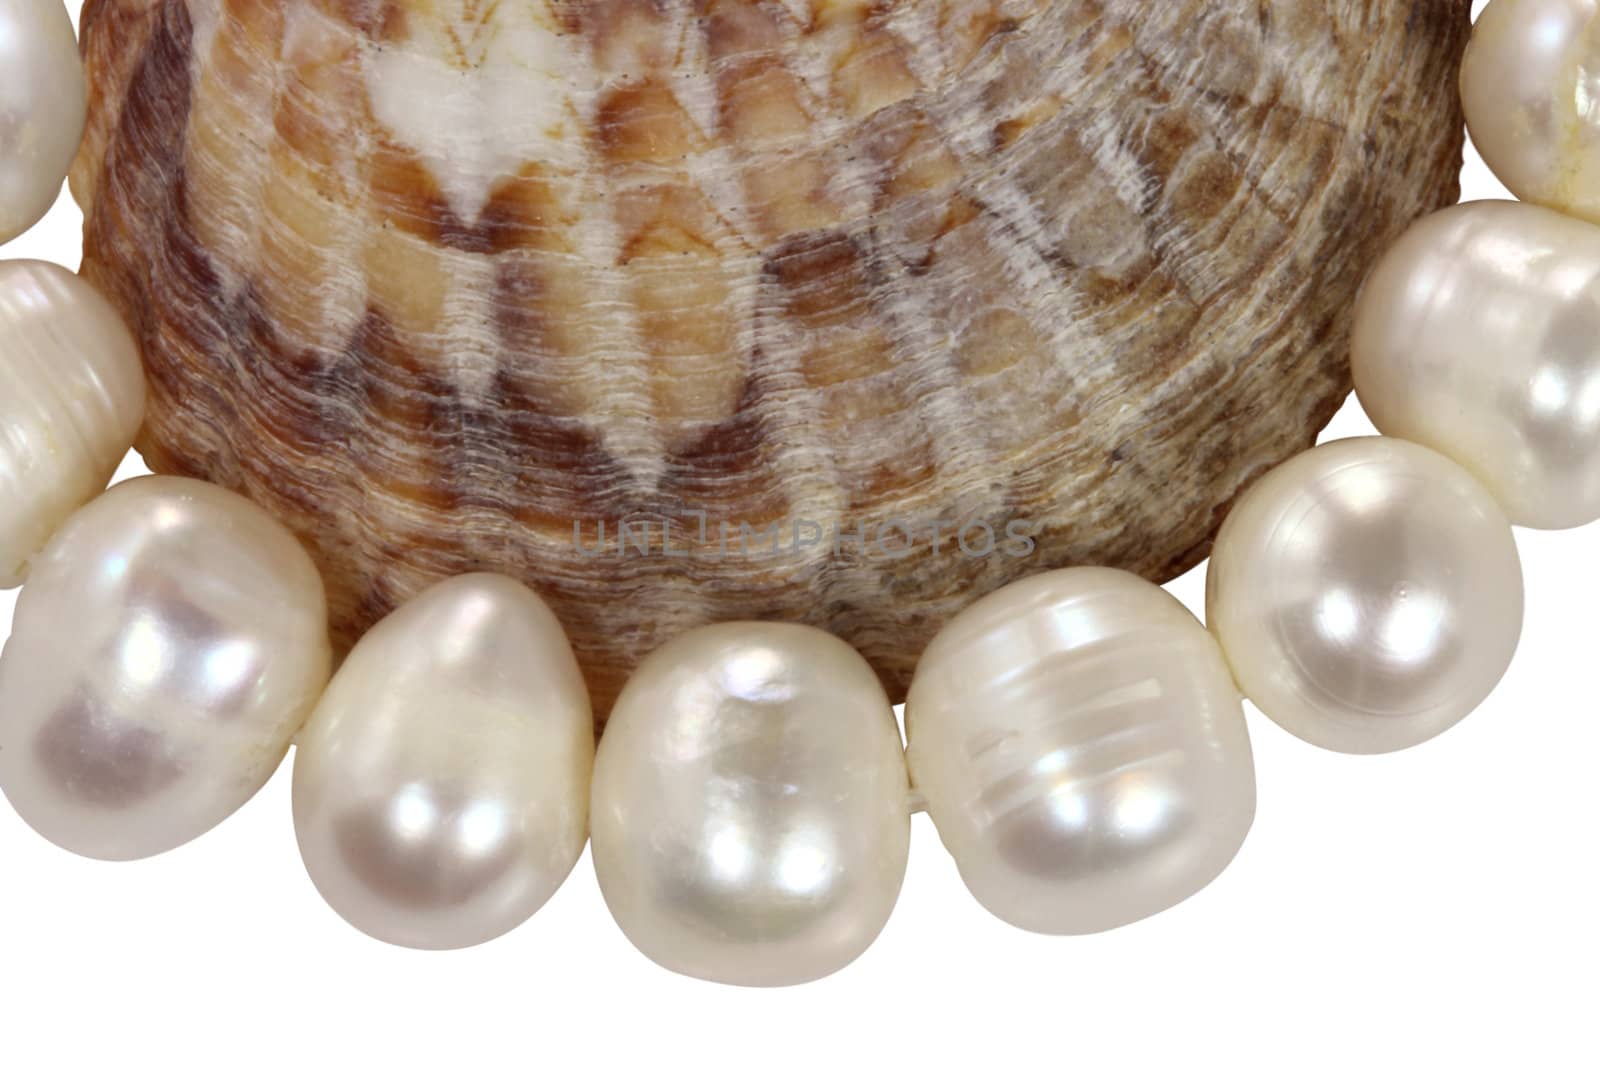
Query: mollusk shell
{"x": 439, "y": 281}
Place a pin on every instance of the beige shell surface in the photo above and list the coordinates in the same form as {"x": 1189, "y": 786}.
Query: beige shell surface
{"x": 447, "y": 284}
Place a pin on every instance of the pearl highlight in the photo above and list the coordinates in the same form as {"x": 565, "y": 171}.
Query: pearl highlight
{"x": 170, "y": 641}
{"x": 1082, "y": 750}
{"x": 72, "y": 395}
{"x": 1367, "y": 594}
{"x": 1528, "y": 88}
{"x": 750, "y": 818}
{"x": 1478, "y": 335}
{"x": 441, "y": 787}
{"x": 43, "y": 106}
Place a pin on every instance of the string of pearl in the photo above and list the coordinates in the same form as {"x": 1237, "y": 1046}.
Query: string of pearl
{"x": 1077, "y": 738}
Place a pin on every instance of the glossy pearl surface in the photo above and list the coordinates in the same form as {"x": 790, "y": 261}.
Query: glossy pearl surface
{"x": 750, "y": 816}
{"x": 72, "y": 395}
{"x": 1478, "y": 335}
{"x": 441, "y": 787}
{"x": 1530, "y": 86}
{"x": 42, "y": 109}
{"x": 1082, "y": 749}
{"x": 170, "y": 641}
{"x": 1367, "y": 594}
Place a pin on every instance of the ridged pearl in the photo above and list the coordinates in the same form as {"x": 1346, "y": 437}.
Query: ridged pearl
{"x": 72, "y": 395}
{"x": 1367, "y": 594}
{"x": 750, "y": 816}
{"x": 42, "y": 109}
{"x": 441, "y": 787}
{"x": 1478, "y": 335}
{"x": 1082, "y": 750}
{"x": 170, "y": 641}
{"x": 1529, "y": 84}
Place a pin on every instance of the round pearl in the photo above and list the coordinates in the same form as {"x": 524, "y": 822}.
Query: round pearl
{"x": 1527, "y": 85}
{"x": 1478, "y": 335}
{"x": 441, "y": 787}
{"x": 72, "y": 396}
{"x": 751, "y": 818}
{"x": 169, "y": 643}
{"x": 43, "y": 101}
{"x": 1367, "y": 594}
{"x": 1082, "y": 750}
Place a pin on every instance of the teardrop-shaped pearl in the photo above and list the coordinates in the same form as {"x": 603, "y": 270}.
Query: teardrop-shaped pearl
{"x": 441, "y": 788}
{"x": 750, "y": 816}
{"x": 42, "y": 108}
{"x": 1528, "y": 88}
{"x": 1082, "y": 750}
{"x": 170, "y": 641}
{"x": 72, "y": 396}
{"x": 1478, "y": 335}
{"x": 1367, "y": 594}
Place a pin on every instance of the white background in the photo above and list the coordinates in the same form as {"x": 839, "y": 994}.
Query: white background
{"x": 1431, "y": 906}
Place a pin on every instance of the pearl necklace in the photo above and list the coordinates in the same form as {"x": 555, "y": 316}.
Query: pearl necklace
{"x": 1077, "y": 738}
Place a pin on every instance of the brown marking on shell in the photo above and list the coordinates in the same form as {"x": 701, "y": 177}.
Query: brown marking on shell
{"x": 643, "y": 122}
{"x": 436, "y": 281}
{"x": 379, "y": 20}
{"x": 627, "y": 37}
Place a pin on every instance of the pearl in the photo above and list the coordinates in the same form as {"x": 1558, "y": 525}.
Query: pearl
{"x": 1530, "y": 86}
{"x": 72, "y": 396}
{"x": 1478, "y": 335}
{"x": 43, "y": 102}
{"x": 750, "y": 818}
{"x": 1082, "y": 750}
{"x": 169, "y": 643}
{"x": 441, "y": 787}
{"x": 1367, "y": 594}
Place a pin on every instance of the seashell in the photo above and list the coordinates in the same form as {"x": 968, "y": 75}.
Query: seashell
{"x": 951, "y": 291}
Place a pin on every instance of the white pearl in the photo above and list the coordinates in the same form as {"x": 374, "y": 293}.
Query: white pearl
{"x": 72, "y": 396}
{"x": 1528, "y": 85}
{"x": 169, "y": 643}
{"x": 750, "y": 817}
{"x": 1367, "y": 594}
{"x": 1478, "y": 335}
{"x": 441, "y": 788}
{"x": 1082, "y": 750}
{"x": 42, "y": 108}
